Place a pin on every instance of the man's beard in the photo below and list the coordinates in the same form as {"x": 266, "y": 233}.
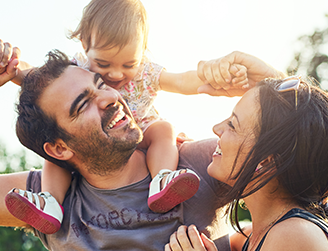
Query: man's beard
{"x": 102, "y": 155}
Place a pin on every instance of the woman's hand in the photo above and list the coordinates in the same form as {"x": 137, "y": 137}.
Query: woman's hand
{"x": 188, "y": 238}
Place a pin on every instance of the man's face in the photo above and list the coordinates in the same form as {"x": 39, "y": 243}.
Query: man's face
{"x": 104, "y": 134}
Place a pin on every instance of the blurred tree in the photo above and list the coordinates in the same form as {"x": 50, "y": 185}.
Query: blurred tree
{"x": 312, "y": 57}
{"x": 11, "y": 239}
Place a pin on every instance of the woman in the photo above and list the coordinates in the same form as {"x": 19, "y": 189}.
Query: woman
{"x": 273, "y": 152}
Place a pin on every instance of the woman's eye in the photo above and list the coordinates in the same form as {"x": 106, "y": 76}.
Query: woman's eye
{"x": 128, "y": 66}
{"x": 231, "y": 125}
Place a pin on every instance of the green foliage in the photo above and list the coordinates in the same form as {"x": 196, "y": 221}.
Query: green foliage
{"x": 11, "y": 239}
{"x": 312, "y": 57}
{"x": 243, "y": 214}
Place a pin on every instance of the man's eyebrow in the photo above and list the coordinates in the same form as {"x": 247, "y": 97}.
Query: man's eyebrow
{"x": 82, "y": 95}
{"x": 235, "y": 115}
{"x": 77, "y": 101}
{"x": 96, "y": 78}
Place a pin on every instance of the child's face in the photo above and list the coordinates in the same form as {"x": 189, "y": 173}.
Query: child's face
{"x": 117, "y": 67}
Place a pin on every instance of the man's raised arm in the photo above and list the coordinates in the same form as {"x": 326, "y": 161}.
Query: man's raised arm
{"x": 8, "y": 182}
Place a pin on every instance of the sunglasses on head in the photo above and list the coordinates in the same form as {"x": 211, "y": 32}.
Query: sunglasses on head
{"x": 290, "y": 84}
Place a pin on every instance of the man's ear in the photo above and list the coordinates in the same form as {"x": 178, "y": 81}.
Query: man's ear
{"x": 58, "y": 150}
{"x": 264, "y": 162}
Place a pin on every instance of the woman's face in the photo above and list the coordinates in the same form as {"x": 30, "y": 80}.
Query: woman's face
{"x": 234, "y": 132}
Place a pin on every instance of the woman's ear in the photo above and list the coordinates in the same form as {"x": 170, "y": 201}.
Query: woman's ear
{"x": 264, "y": 162}
{"x": 58, "y": 150}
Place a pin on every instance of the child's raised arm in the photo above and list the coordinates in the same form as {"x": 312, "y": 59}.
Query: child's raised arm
{"x": 190, "y": 83}
{"x": 185, "y": 83}
{"x": 11, "y": 68}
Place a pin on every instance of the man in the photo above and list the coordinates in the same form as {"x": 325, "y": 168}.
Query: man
{"x": 64, "y": 113}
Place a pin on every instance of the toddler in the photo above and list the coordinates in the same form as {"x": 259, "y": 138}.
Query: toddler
{"x": 114, "y": 36}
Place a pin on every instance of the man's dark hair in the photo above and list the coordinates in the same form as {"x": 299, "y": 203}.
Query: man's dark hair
{"x": 33, "y": 127}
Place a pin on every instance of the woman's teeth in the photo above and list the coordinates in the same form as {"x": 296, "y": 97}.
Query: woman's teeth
{"x": 118, "y": 117}
{"x": 218, "y": 150}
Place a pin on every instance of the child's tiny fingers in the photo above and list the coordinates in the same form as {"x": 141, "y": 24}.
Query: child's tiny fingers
{"x": 238, "y": 81}
{"x": 234, "y": 70}
{"x": 242, "y": 71}
{"x": 238, "y": 70}
{"x": 16, "y": 53}
{"x": 6, "y": 54}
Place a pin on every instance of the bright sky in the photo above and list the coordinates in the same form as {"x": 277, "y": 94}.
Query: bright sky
{"x": 182, "y": 32}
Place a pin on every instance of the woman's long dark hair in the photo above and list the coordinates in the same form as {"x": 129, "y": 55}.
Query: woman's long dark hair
{"x": 297, "y": 139}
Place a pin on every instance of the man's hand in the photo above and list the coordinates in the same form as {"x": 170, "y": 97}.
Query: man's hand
{"x": 9, "y": 60}
{"x": 229, "y": 92}
{"x": 217, "y": 72}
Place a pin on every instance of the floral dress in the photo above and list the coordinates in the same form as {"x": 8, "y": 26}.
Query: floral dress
{"x": 141, "y": 92}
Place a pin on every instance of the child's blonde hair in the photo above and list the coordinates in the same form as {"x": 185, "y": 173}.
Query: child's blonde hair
{"x": 112, "y": 23}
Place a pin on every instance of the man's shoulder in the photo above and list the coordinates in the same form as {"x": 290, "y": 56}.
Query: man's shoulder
{"x": 200, "y": 145}
{"x": 197, "y": 151}
{"x": 197, "y": 155}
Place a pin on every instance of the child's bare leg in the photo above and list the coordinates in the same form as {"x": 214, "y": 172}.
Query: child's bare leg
{"x": 55, "y": 180}
{"x": 162, "y": 152}
{"x": 168, "y": 187}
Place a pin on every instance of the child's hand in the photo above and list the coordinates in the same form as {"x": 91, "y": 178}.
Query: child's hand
{"x": 182, "y": 137}
{"x": 9, "y": 60}
{"x": 239, "y": 79}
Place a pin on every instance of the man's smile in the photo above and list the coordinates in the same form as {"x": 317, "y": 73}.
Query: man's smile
{"x": 119, "y": 118}
{"x": 115, "y": 117}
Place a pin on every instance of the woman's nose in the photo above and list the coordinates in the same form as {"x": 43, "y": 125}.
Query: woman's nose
{"x": 218, "y": 129}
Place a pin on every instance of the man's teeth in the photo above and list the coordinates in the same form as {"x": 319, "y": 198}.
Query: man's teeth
{"x": 218, "y": 150}
{"x": 118, "y": 117}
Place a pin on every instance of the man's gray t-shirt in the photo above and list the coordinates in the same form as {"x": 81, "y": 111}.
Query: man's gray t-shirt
{"x": 98, "y": 219}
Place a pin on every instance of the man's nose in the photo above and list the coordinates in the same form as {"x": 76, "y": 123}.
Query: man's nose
{"x": 106, "y": 98}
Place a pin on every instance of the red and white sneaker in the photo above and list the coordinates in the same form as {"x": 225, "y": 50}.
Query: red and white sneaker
{"x": 178, "y": 187}
{"x": 47, "y": 221}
